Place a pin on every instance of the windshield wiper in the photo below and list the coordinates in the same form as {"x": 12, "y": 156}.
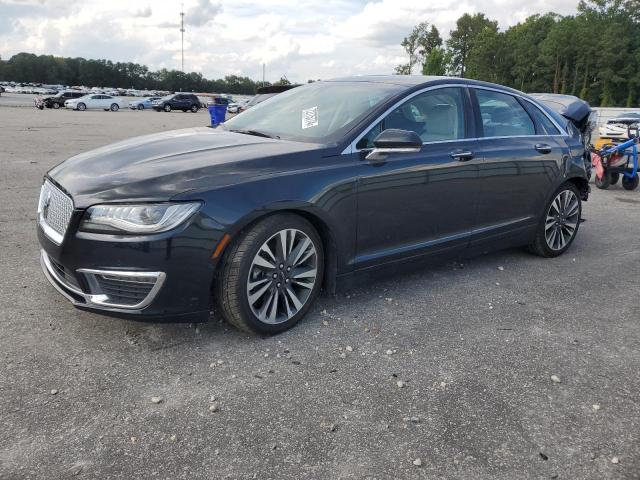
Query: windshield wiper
{"x": 253, "y": 132}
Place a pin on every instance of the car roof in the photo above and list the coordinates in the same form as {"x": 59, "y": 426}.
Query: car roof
{"x": 421, "y": 81}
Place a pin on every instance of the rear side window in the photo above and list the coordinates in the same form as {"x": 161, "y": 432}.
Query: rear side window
{"x": 503, "y": 116}
{"x": 546, "y": 126}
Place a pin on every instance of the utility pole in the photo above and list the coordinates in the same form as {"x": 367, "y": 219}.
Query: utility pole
{"x": 182, "y": 33}
{"x": 263, "y": 67}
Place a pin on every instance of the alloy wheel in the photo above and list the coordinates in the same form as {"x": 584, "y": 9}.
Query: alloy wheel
{"x": 562, "y": 220}
{"x": 282, "y": 276}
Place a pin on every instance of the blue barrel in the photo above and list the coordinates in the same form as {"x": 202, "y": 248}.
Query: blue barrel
{"x": 217, "y": 114}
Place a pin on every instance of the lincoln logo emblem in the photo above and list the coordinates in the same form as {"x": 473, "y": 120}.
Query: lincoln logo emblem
{"x": 45, "y": 205}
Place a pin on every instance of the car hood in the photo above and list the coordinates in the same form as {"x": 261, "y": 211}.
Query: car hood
{"x": 161, "y": 166}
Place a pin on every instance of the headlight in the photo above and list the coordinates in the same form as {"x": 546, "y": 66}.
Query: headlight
{"x": 137, "y": 219}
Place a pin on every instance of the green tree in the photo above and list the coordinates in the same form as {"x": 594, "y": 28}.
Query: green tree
{"x": 418, "y": 45}
{"x": 437, "y": 62}
{"x": 461, "y": 40}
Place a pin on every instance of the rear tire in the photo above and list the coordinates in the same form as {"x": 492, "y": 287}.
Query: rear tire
{"x": 630, "y": 183}
{"x": 56, "y": 105}
{"x": 194, "y": 108}
{"x": 266, "y": 288}
{"x": 604, "y": 182}
{"x": 140, "y": 107}
{"x": 82, "y": 107}
{"x": 559, "y": 224}
{"x": 114, "y": 107}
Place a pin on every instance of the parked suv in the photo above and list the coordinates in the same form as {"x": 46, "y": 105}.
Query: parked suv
{"x": 177, "y": 101}
{"x": 57, "y": 101}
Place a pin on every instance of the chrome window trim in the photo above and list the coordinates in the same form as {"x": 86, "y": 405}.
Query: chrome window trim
{"x": 100, "y": 300}
{"x": 351, "y": 148}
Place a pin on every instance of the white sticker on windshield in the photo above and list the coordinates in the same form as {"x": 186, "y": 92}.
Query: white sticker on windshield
{"x": 310, "y": 117}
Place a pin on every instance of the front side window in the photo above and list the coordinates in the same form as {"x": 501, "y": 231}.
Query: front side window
{"x": 320, "y": 112}
{"x": 503, "y": 116}
{"x": 436, "y": 115}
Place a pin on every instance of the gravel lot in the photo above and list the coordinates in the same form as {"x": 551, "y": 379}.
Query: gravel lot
{"x": 475, "y": 345}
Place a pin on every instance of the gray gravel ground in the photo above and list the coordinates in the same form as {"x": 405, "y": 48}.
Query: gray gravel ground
{"x": 475, "y": 346}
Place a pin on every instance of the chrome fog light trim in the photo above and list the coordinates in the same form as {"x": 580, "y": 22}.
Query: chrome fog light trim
{"x": 101, "y": 297}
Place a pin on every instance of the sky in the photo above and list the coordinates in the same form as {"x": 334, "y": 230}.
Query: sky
{"x": 298, "y": 39}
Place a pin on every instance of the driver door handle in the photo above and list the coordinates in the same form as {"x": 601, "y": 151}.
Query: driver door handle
{"x": 462, "y": 155}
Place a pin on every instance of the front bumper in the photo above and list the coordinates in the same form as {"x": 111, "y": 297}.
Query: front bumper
{"x": 167, "y": 277}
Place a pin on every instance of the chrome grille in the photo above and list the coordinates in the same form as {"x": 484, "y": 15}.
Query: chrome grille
{"x": 54, "y": 211}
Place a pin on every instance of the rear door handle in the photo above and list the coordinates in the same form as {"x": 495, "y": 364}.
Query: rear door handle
{"x": 462, "y": 155}
{"x": 543, "y": 148}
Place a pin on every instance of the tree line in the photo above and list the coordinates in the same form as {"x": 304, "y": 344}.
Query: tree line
{"x": 47, "y": 69}
{"x": 594, "y": 54}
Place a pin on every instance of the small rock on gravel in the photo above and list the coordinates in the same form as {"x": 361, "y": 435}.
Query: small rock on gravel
{"x": 54, "y": 392}
{"x": 555, "y": 379}
{"x": 595, "y": 407}
{"x": 349, "y": 348}
{"x": 417, "y": 462}
{"x": 156, "y": 400}
{"x": 400, "y": 384}
{"x": 615, "y": 460}
{"x": 214, "y": 407}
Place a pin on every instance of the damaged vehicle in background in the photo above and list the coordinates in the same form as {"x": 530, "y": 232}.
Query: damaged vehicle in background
{"x": 57, "y": 101}
{"x": 318, "y": 185}
{"x": 618, "y": 128}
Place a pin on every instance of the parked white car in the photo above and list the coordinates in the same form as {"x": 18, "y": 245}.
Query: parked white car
{"x": 233, "y": 108}
{"x": 95, "y": 101}
{"x": 618, "y": 127}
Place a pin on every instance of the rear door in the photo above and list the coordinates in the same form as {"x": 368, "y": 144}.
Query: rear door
{"x": 520, "y": 163}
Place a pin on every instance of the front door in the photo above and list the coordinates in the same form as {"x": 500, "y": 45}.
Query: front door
{"x": 417, "y": 203}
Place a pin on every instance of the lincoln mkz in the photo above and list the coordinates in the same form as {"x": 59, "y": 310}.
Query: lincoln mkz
{"x": 311, "y": 188}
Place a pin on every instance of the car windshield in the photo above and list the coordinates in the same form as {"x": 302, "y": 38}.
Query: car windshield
{"x": 261, "y": 97}
{"x": 319, "y": 112}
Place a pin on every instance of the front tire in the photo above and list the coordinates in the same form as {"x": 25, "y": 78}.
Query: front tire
{"x": 140, "y": 107}
{"x": 114, "y": 107}
{"x": 167, "y": 108}
{"x": 56, "y": 105}
{"x": 630, "y": 183}
{"x": 194, "y": 109}
{"x": 82, "y": 107}
{"x": 559, "y": 224}
{"x": 271, "y": 275}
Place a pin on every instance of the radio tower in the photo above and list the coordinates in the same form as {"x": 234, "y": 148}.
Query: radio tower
{"x": 182, "y": 32}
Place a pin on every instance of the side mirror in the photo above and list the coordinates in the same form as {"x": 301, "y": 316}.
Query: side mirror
{"x": 393, "y": 140}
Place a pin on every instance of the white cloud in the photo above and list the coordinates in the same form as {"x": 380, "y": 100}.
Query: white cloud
{"x": 300, "y": 39}
{"x": 144, "y": 12}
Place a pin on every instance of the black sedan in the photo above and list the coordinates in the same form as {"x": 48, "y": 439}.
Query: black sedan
{"x": 311, "y": 188}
